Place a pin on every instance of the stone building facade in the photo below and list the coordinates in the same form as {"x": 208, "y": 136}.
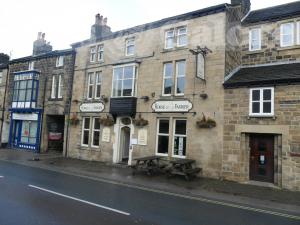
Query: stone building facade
{"x": 4, "y": 59}
{"x": 38, "y": 98}
{"x": 151, "y": 89}
{"x": 261, "y": 101}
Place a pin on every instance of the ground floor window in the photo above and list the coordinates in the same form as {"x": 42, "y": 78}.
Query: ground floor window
{"x": 178, "y": 137}
{"x": 29, "y": 132}
{"x": 90, "y": 131}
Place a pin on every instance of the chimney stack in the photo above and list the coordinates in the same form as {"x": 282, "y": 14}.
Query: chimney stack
{"x": 100, "y": 29}
{"x": 40, "y": 45}
{"x": 245, "y": 5}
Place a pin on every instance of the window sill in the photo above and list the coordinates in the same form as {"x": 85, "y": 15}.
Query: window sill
{"x": 262, "y": 116}
{"x": 165, "y": 50}
{"x": 55, "y": 99}
{"x": 255, "y": 52}
{"x": 96, "y": 62}
{"x": 293, "y": 47}
{"x": 172, "y": 96}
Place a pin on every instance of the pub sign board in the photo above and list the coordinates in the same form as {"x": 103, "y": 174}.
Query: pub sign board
{"x": 172, "y": 106}
{"x": 92, "y": 107}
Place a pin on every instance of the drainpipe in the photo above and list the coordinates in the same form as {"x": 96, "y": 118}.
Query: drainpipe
{"x": 70, "y": 104}
{"x": 4, "y": 101}
{"x": 43, "y": 110}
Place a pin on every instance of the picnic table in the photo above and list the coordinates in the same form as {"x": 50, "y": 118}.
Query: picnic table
{"x": 148, "y": 164}
{"x": 183, "y": 167}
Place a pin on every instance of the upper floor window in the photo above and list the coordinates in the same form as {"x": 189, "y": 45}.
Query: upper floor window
{"x": 261, "y": 101}
{"x": 181, "y": 36}
{"x": 100, "y": 53}
{"x": 93, "y": 54}
{"x": 176, "y": 37}
{"x": 97, "y": 53}
{"x": 57, "y": 86}
{"x": 168, "y": 78}
{"x": 130, "y": 44}
{"x": 287, "y": 34}
{"x": 60, "y": 61}
{"x": 31, "y": 65}
{"x": 25, "y": 90}
{"x": 255, "y": 39}
{"x": 124, "y": 81}
{"x": 94, "y": 85}
{"x": 1, "y": 76}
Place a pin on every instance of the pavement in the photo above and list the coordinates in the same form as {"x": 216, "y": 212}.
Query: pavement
{"x": 219, "y": 190}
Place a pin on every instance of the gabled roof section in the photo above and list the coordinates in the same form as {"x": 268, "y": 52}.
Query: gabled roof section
{"x": 266, "y": 74}
{"x": 274, "y": 13}
{"x": 159, "y": 23}
{"x": 42, "y": 56}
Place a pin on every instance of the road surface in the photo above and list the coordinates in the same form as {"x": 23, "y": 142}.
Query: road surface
{"x": 30, "y": 196}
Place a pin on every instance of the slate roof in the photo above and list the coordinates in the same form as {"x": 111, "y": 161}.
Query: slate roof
{"x": 162, "y": 22}
{"x": 274, "y": 13}
{"x": 44, "y": 55}
{"x": 264, "y": 75}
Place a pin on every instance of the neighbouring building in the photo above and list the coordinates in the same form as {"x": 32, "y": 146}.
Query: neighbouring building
{"x": 4, "y": 59}
{"x": 262, "y": 101}
{"x": 38, "y": 97}
{"x": 155, "y": 88}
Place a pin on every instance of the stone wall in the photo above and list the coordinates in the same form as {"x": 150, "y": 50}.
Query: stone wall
{"x": 203, "y": 145}
{"x": 271, "y": 51}
{"x": 284, "y": 125}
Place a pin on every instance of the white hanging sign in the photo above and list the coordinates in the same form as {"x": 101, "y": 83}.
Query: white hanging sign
{"x": 172, "y": 106}
{"x": 200, "y": 66}
{"x": 142, "y": 137}
{"x": 92, "y": 107}
{"x": 106, "y": 134}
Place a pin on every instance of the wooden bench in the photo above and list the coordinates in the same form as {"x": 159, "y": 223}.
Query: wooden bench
{"x": 183, "y": 167}
{"x": 149, "y": 164}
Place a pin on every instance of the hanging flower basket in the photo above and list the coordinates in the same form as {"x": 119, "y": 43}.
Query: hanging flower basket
{"x": 74, "y": 119}
{"x": 140, "y": 122}
{"x": 107, "y": 121}
{"x": 126, "y": 121}
{"x": 206, "y": 122}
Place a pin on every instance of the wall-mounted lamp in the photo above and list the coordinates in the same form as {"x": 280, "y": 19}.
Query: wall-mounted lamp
{"x": 104, "y": 98}
{"x": 145, "y": 98}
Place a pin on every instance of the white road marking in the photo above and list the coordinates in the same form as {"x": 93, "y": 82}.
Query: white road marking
{"x": 80, "y": 200}
{"x": 1, "y": 176}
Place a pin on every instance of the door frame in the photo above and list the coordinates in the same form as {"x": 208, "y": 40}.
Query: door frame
{"x": 253, "y": 175}
{"x": 117, "y": 148}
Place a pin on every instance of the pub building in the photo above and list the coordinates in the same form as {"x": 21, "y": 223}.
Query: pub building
{"x": 38, "y": 90}
{"x": 154, "y": 89}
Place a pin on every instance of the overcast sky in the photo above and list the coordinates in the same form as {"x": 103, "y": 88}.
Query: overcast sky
{"x": 69, "y": 21}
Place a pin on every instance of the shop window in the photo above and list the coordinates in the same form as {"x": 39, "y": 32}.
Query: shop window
{"x": 90, "y": 132}
{"x": 287, "y": 34}
{"x": 130, "y": 45}
{"x": 94, "y": 85}
{"x": 96, "y": 132}
{"x": 57, "y": 86}
{"x": 168, "y": 78}
{"x": 124, "y": 81}
{"x": 85, "y": 131}
{"x": 179, "y": 138}
{"x": 29, "y": 132}
{"x": 163, "y": 137}
{"x": 176, "y": 37}
{"x": 255, "y": 39}
{"x": 261, "y": 102}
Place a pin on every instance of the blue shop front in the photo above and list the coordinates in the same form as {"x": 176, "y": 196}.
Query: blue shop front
{"x": 25, "y": 122}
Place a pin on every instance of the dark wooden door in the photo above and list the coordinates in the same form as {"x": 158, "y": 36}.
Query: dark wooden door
{"x": 262, "y": 158}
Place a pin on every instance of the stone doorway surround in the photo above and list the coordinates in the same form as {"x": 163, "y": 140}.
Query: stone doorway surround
{"x": 117, "y": 148}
